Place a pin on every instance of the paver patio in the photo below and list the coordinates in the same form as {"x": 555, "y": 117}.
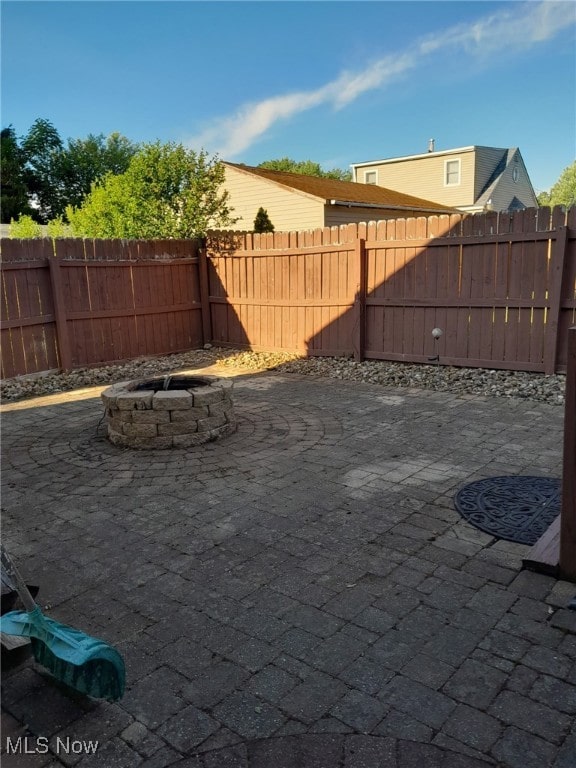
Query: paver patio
{"x": 301, "y": 594}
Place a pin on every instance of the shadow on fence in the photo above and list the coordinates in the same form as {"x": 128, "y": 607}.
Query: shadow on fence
{"x": 501, "y": 286}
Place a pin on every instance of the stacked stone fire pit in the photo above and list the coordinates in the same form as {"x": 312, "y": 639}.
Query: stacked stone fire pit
{"x": 176, "y": 411}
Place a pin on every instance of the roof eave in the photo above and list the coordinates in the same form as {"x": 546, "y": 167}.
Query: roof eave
{"x": 414, "y": 157}
{"x": 389, "y": 206}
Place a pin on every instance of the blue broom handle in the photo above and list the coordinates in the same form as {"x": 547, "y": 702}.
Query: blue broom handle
{"x": 21, "y": 588}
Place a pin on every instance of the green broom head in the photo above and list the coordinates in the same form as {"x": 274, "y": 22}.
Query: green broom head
{"x": 84, "y": 663}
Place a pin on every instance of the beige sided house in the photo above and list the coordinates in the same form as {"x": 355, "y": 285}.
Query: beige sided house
{"x": 296, "y": 202}
{"x": 470, "y": 179}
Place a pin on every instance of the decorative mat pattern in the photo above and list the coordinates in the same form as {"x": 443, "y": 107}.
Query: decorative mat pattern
{"x": 514, "y": 508}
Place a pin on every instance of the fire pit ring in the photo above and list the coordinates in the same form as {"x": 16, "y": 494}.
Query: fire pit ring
{"x": 172, "y": 411}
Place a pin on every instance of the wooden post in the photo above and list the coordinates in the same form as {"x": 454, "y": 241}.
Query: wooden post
{"x": 204, "y": 295}
{"x": 568, "y": 515}
{"x": 359, "y": 329}
{"x": 557, "y": 262}
{"x": 64, "y": 351}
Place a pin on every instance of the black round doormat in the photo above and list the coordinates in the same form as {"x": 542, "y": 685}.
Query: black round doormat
{"x": 517, "y": 509}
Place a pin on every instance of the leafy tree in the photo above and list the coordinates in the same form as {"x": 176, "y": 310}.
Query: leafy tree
{"x": 42, "y": 147}
{"x": 42, "y": 171}
{"x": 166, "y": 191}
{"x": 306, "y": 168}
{"x": 58, "y": 228}
{"x": 564, "y": 191}
{"x": 24, "y": 228}
{"x": 262, "y": 222}
{"x": 14, "y": 197}
{"x": 84, "y": 161}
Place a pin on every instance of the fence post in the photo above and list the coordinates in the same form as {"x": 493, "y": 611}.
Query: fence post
{"x": 557, "y": 262}
{"x": 359, "y": 327}
{"x": 204, "y": 294}
{"x": 64, "y": 352}
{"x": 568, "y": 515}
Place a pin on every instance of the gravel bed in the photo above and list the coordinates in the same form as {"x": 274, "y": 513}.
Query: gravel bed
{"x": 460, "y": 381}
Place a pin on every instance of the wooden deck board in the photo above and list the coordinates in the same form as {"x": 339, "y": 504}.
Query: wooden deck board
{"x": 544, "y": 557}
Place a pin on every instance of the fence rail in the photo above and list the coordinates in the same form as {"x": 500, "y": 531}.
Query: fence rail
{"x": 501, "y": 286}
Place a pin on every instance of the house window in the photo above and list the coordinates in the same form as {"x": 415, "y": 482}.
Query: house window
{"x": 370, "y": 177}
{"x": 451, "y": 173}
{"x": 515, "y": 175}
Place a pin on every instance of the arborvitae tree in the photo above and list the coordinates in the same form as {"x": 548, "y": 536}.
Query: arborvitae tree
{"x": 262, "y": 222}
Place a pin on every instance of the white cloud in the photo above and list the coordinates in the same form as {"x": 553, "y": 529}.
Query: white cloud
{"x": 520, "y": 26}
{"x": 349, "y": 86}
{"x": 230, "y": 135}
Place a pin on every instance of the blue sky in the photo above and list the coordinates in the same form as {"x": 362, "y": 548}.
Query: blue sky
{"x": 334, "y": 82}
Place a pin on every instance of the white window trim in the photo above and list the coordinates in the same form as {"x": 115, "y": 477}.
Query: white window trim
{"x": 372, "y": 183}
{"x": 455, "y": 183}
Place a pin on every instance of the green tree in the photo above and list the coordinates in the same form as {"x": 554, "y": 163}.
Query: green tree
{"x": 85, "y": 161}
{"x": 56, "y": 175}
{"x": 262, "y": 222}
{"x": 306, "y": 168}
{"x": 167, "y": 191}
{"x": 564, "y": 191}
{"x": 58, "y": 228}
{"x": 42, "y": 147}
{"x": 14, "y": 197}
{"x": 24, "y": 228}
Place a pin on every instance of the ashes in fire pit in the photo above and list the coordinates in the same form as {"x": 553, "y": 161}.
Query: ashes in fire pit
{"x": 169, "y": 411}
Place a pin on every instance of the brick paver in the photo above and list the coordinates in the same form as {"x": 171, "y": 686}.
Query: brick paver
{"x": 301, "y": 594}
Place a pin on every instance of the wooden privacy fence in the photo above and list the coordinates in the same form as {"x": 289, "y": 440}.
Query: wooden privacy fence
{"x": 90, "y": 302}
{"x": 501, "y": 286}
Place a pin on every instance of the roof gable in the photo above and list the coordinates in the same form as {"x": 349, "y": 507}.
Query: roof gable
{"x": 344, "y": 192}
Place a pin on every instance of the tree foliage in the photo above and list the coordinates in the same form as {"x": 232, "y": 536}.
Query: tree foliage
{"x": 41, "y": 175}
{"x": 167, "y": 191}
{"x": 58, "y": 228}
{"x": 306, "y": 168}
{"x": 24, "y": 228}
{"x": 262, "y": 221}
{"x": 84, "y": 161}
{"x": 42, "y": 146}
{"x": 564, "y": 190}
{"x": 14, "y": 198}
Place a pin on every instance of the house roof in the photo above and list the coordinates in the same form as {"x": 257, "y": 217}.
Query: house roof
{"x": 499, "y": 168}
{"x": 508, "y": 156}
{"x": 336, "y": 192}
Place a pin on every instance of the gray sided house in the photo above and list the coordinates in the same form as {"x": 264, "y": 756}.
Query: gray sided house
{"x": 297, "y": 202}
{"x": 471, "y": 179}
